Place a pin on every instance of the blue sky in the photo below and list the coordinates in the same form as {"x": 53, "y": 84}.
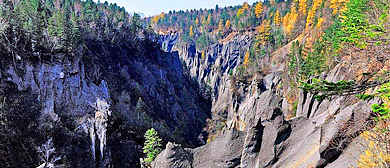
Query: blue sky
{"x": 152, "y": 7}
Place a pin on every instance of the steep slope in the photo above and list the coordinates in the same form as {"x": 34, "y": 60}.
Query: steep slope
{"x": 103, "y": 122}
{"x": 289, "y": 106}
{"x": 80, "y": 83}
{"x": 256, "y": 131}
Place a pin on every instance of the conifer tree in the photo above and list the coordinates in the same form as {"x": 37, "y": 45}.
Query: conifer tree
{"x": 152, "y": 145}
{"x": 135, "y": 24}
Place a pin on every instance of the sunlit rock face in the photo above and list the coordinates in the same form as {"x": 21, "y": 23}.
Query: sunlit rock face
{"x": 256, "y": 130}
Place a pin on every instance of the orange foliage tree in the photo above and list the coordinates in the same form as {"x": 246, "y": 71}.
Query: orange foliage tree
{"x": 302, "y": 7}
{"x": 227, "y": 24}
{"x": 289, "y": 20}
{"x": 220, "y": 25}
{"x": 246, "y": 58}
{"x": 312, "y": 12}
{"x": 262, "y": 34}
{"x": 259, "y": 9}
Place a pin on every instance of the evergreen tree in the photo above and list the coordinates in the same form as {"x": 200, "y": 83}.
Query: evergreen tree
{"x": 152, "y": 145}
{"x": 135, "y": 24}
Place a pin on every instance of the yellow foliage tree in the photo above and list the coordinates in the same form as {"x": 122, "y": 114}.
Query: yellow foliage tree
{"x": 246, "y": 58}
{"x": 240, "y": 13}
{"x": 302, "y": 7}
{"x": 156, "y": 18}
{"x": 203, "y": 55}
{"x": 244, "y": 7}
{"x": 191, "y": 31}
{"x": 262, "y": 34}
{"x": 227, "y": 24}
{"x": 277, "y": 18}
{"x": 312, "y": 12}
{"x": 208, "y": 20}
{"x": 162, "y": 15}
{"x": 259, "y": 9}
{"x": 338, "y": 6}
{"x": 197, "y": 21}
{"x": 320, "y": 21}
{"x": 220, "y": 25}
{"x": 289, "y": 20}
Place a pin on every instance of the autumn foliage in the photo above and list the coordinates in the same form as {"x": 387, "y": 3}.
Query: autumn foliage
{"x": 259, "y": 9}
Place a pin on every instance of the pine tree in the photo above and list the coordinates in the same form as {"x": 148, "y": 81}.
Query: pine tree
{"x": 60, "y": 23}
{"x": 75, "y": 34}
{"x": 88, "y": 10}
{"x": 152, "y": 145}
{"x": 135, "y": 24}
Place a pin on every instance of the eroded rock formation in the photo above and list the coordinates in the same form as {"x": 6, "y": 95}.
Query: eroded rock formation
{"x": 257, "y": 131}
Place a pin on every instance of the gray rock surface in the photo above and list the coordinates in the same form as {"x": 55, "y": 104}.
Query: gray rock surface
{"x": 320, "y": 135}
{"x": 98, "y": 104}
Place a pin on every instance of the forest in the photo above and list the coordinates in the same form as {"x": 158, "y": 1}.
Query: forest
{"x": 275, "y": 83}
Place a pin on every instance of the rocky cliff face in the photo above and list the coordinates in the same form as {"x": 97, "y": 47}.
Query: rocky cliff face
{"x": 257, "y": 133}
{"x": 96, "y": 105}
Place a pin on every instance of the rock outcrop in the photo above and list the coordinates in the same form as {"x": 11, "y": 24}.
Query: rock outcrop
{"x": 257, "y": 133}
{"x": 97, "y": 105}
